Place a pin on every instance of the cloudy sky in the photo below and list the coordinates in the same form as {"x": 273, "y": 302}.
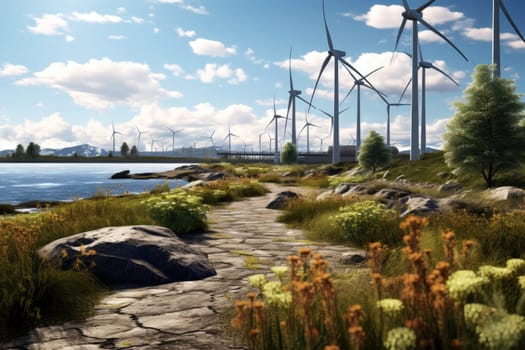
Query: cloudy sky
{"x": 69, "y": 69}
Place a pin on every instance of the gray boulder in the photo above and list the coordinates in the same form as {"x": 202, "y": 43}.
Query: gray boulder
{"x": 132, "y": 256}
{"x": 124, "y": 174}
{"x": 325, "y": 195}
{"x": 196, "y": 183}
{"x": 343, "y": 188}
{"x": 211, "y": 176}
{"x": 390, "y": 193}
{"x": 419, "y": 206}
{"x": 280, "y": 201}
{"x": 450, "y": 186}
{"x": 505, "y": 193}
{"x": 352, "y": 258}
{"x": 356, "y": 189}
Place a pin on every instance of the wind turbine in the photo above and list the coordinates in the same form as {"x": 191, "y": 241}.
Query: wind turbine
{"x": 307, "y": 125}
{"x": 338, "y": 58}
{"x": 140, "y": 133}
{"x": 496, "y": 57}
{"x": 275, "y": 120}
{"x": 416, "y": 16}
{"x": 210, "y": 138}
{"x": 152, "y": 142}
{"x": 270, "y": 142}
{"x": 113, "y": 135}
{"x": 173, "y": 132}
{"x": 229, "y": 137}
{"x": 361, "y": 82}
{"x": 388, "y": 105}
{"x": 322, "y": 140}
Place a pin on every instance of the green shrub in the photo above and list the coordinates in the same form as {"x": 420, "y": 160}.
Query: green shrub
{"x": 368, "y": 221}
{"x": 179, "y": 211}
{"x": 289, "y": 153}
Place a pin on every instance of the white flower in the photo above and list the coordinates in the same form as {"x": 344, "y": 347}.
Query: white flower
{"x": 494, "y": 272}
{"x": 502, "y": 334}
{"x": 391, "y": 307}
{"x": 257, "y": 281}
{"x": 516, "y": 265}
{"x": 400, "y": 338}
{"x": 463, "y": 283}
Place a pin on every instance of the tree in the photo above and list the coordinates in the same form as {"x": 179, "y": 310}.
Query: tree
{"x": 134, "y": 153}
{"x": 485, "y": 136}
{"x": 289, "y": 154}
{"x": 20, "y": 152}
{"x": 33, "y": 150}
{"x": 124, "y": 149}
{"x": 374, "y": 152}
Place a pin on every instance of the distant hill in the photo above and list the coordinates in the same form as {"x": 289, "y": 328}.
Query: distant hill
{"x": 84, "y": 150}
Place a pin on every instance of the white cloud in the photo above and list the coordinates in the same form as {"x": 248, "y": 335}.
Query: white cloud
{"x": 95, "y": 17}
{"x": 121, "y": 10}
{"x": 156, "y": 30}
{"x": 70, "y": 38}
{"x": 205, "y": 47}
{"x": 239, "y": 76}
{"x": 174, "y": 68}
{"x": 170, "y": 1}
{"x": 201, "y": 10}
{"x": 479, "y": 34}
{"x": 137, "y": 20}
{"x": 102, "y": 84}
{"x": 49, "y": 24}
{"x": 429, "y": 36}
{"x": 9, "y": 70}
{"x": 185, "y": 33}
{"x": 212, "y": 71}
{"x": 116, "y": 37}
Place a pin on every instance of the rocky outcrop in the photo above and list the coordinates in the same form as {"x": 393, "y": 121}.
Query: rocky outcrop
{"x": 421, "y": 206}
{"x": 505, "y": 193}
{"x": 186, "y": 172}
{"x": 281, "y": 200}
{"x": 124, "y": 174}
{"x": 450, "y": 186}
{"x": 131, "y": 256}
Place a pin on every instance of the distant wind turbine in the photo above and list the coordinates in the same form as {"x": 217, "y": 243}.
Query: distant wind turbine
{"x": 388, "y": 105}
{"x": 113, "y": 135}
{"x": 173, "y": 133}
{"x": 322, "y": 139}
{"x": 229, "y": 137}
{"x": 140, "y": 133}
{"x": 210, "y": 138}
{"x": 274, "y": 120}
{"x": 338, "y": 58}
{"x": 152, "y": 143}
{"x": 498, "y": 5}
{"x": 307, "y": 126}
{"x": 416, "y": 16}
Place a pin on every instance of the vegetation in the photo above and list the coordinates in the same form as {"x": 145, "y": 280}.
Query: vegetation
{"x": 227, "y": 190}
{"x": 289, "y": 153}
{"x": 374, "y": 152}
{"x": 32, "y": 151}
{"x": 124, "y": 150}
{"x": 485, "y": 135}
{"x": 434, "y": 303}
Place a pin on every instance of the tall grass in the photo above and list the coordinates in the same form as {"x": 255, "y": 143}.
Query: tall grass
{"x": 228, "y": 190}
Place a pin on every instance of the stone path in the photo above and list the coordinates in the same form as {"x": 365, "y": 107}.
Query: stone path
{"x": 244, "y": 240}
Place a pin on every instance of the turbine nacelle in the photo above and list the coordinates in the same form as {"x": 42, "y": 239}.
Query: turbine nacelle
{"x": 412, "y": 15}
{"x": 294, "y": 92}
{"x": 426, "y": 64}
{"x": 337, "y": 53}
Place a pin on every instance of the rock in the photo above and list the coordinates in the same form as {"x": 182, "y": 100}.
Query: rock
{"x": 420, "y": 206}
{"x": 211, "y": 176}
{"x": 391, "y": 194}
{"x": 132, "y": 256}
{"x": 356, "y": 189}
{"x": 505, "y": 193}
{"x": 325, "y": 195}
{"x": 400, "y": 177}
{"x": 352, "y": 258}
{"x": 281, "y": 200}
{"x": 192, "y": 184}
{"x": 450, "y": 186}
{"x": 124, "y": 174}
{"x": 288, "y": 174}
{"x": 343, "y": 188}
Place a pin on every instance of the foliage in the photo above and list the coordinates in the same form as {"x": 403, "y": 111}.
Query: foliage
{"x": 124, "y": 149}
{"x": 289, "y": 153}
{"x": 134, "y": 153}
{"x": 179, "y": 211}
{"x": 32, "y": 150}
{"x": 374, "y": 152}
{"x": 19, "y": 152}
{"x": 367, "y": 221}
{"x": 485, "y": 135}
{"x": 227, "y": 190}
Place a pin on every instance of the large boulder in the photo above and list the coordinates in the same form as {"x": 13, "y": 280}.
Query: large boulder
{"x": 124, "y": 174}
{"x": 505, "y": 193}
{"x": 281, "y": 200}
{"x": 450, "y": 186}
{"x": 131, "y": 256}
{"x": 421, "y": 206}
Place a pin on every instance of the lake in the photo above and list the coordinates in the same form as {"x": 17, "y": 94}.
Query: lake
{"x": 22, "y": 182}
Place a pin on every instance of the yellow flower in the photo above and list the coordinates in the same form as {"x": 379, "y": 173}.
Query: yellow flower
{"x": 463, "y": 283}
{"x": 257, "y": 281}
{"x": 400, "y": 338}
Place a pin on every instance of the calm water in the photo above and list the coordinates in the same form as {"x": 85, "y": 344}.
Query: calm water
{"x": 68, "y": 181}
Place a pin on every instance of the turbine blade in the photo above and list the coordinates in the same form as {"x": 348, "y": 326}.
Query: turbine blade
{"x": 305, "y": 125}
{"x": 401, "y": 28}
{"x": 288, "y": 111}
{"x": 348, "y": 94}
{"x": 325, "y": 63}
{"x": 445, "y": 74}
{"x": 405, "y": 89}
{"x": 290, "y": 69}
{"x": 274, "y": 110}
{"x": 270, "y": 123}
{"x": 375, "y": 70}
{"x": 420, "y": 52}
{"x": 405, "y": 3}
{"x": 502, "y": 7}
{"x": 425, "y": 23}
{"x": 425, "y": 5}
{"x": 328, "y": 37}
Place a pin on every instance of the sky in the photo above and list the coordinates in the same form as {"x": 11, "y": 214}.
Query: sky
{"x": 71, "y": 69}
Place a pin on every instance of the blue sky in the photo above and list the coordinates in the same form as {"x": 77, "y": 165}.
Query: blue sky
{"x": 68, "y": 69}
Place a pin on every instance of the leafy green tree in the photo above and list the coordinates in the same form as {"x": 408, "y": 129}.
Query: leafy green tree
{"x": 20, "y": 151}
{"x": 124, "y": 149}
{"x": 134, "y": 153}
{"x": 110, "y": 154}
{"x": 485, "y": 136}
{"x": 374, "y": 152}
{"x": 32, "y": 150}
{"x": 289, "y": 154}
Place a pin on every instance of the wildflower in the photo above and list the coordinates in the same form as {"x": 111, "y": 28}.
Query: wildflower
{"x": 516, "y": 265}
{"x": 400, "y": 338}
{"x": 280, "y": 271}
{"x": 502, "y": 334}
{"x": 463, "y": 283}
{"x": 331, "y": 347}
{"x": 494, "y": 272}
{"x": 274, "y": 294}
{"x": 391, "y": 307}
{"x": 521, "y": 281}
{"x": 476, "y": 314}
{"x": 257, "y": 281}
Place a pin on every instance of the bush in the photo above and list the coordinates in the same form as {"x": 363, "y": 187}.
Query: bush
{"x": 179, "y": 211}
{"x": 289, "y": 154}
{"x": 368, "y": 221}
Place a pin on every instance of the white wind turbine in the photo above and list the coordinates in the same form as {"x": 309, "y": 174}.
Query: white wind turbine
{"x": 210, "y": 138}
{"x": 498, "y": 5}
{"x": 139, "y": 134}
{"x": 361, "y": 82}
{"x": 416, "y": 16}
{"x": 152, "y": 143}
{"x": 275, "y": 120}
{"x": 388, "y": 105}
{"x": 322, "y": 140}
{"x": 173, "y": 133}
{"x": 113, "y": 135}
{"x": 338, "y": 58}
{"x": 229, "y": 137}
{"x": 307, "y": 126}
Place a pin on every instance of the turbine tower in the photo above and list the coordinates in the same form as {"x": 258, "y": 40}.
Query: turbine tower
{"x": 173, "y": 132}
{"x": 275, "y": 119}
{"x": 140, "y": 133}
{"x": 498, "y": 5}
{"x": 338, "y": 58}
{"x": 322, "y": 140}
{"x": 229, "y": 137}
{"x": 388, "y": 105}
{"x": 152, "y": 142}
{"x": 113, "y": 135}
{"x": 307, "y": 125}
{"x": 416, "y": 16}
